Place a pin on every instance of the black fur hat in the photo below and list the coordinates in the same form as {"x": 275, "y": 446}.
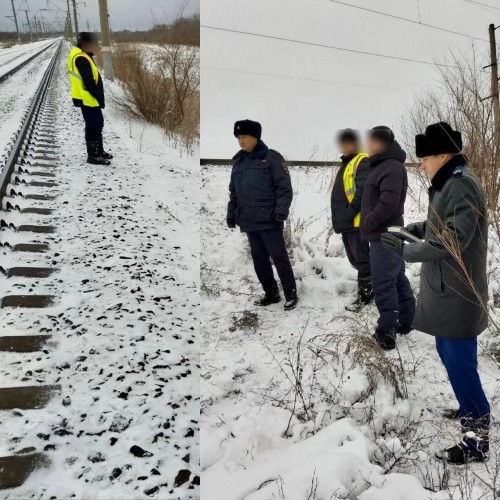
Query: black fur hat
{"x": 438, "y": 138}
{"x": 248, "y": 127}
{"x": 348, "y": 135}
{"x": 382, "y": 133}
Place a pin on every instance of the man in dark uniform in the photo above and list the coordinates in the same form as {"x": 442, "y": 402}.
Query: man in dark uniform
{"x": 260, "y": 195}
{"x": 346, "y": 207}
{"x": 382, "y": 206}
{"x": 453, "y": 301}
{"x": 87, "y": 92}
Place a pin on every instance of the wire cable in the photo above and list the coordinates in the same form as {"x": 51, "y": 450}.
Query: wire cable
{"x": 289, "y": 77}
{"x": 332, "y": 47}
{"x": 406, "y": 19}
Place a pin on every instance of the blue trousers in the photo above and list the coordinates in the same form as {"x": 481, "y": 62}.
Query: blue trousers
{"x": 393, "y": 294}
{"x": 459, "y": 356}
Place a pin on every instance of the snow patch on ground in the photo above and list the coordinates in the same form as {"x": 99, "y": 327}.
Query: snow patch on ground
{"x": 276, "y": 385}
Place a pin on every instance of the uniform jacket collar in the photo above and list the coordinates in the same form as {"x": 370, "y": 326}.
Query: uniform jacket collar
{"x": 259, "y": 153}
{"x": 347, "y": 158}
{"x": 446, "y": 171}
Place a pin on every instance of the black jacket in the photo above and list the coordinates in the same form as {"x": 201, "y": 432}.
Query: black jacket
{"x": 384, "y": 195}
{"x": 453, "y": 286}
{"x": 95, "y": 89}
{"x": 343, "y": 212}
{"x": 260, "y": 190}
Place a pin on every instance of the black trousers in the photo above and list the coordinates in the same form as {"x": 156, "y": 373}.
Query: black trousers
{"x": 94, "y": 123}
{"x": 358, "y": 253}
{"x": 393, "y": 294}
{"x": 268, "y": 244}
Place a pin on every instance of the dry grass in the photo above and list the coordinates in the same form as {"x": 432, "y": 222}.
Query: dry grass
{"x": 166, "y": 94}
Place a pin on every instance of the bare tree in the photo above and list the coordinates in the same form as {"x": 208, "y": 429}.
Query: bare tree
{"x": 458, "y": 100}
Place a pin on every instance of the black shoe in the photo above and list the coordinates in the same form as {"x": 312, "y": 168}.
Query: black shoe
{"x": 94, "y": 154}
{"x": 403, "y": 330}
{"x": 387, "y": 341}
{"x": 99, "y": 160}
{"x": 291, "y": 302}
{"x": 451, "y": 414}
{"x": 461, "y": 454}
{"x": 104, "y": 154}
{"x": 365, "y": 295}
{"x": 268, "y": 299}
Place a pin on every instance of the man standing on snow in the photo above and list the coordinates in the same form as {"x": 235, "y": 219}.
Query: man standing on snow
{"x": 260, "y": 195}
{"x": 87, "y": 91}
{"x": 453, "y": 283}
{"x": 346, "y": 212}
{"x": 382, "y": 206}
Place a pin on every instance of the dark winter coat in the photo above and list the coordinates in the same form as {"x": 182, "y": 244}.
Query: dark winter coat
{"x": 384, "y": 194}
{"x": 343, "y": 212}
{"x": 260, "y": 190}
{"x": 96, "y": 90}
{"x": 447, "y": 306}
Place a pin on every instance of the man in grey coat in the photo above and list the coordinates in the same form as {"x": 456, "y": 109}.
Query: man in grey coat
{"x": 453, "y": 284}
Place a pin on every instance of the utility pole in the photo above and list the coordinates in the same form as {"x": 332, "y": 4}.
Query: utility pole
{"x": 29, "y": 25}
{"x": 494, "y": 85}
{"x": 70, "y": 26}
{"x": 14, "y": 15}
{"x": 107, "y": 54}
{"x": 75, "y": 15}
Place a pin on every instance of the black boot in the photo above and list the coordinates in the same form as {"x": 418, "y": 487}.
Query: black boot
{"x": 291, "y": 301}
{"x": 467, "y": 451}
{"x": 268, "y": 299}
{"x": 365, "y": 295}
{"x": 104, "y": 154}
{"x": 386, "y": 340}
{"x": 94, "y": 156}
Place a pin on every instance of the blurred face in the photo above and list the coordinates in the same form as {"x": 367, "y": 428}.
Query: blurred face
{"x": 91, "y": 47}
{"x": 347, "y": 148}
{"x": 247, "y": 142}
{"x": 375, "y": 146}
{"x": 431, "y": 165}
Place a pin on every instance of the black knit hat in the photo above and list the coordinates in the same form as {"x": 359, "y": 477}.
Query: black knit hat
{"x": 381, "y": 133}
{"x": 438, "y": 138}
{"x": 348, "y": 135}
{"x": 248, "y": 127}
{"x": 86, "y": 37}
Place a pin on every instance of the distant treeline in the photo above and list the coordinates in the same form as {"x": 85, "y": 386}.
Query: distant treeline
{"x": 184, "y": 31}
{"x": 10, "y": 37}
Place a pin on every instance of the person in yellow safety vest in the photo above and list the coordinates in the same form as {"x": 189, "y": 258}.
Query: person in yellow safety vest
{"x": 87, "y": 92}
{"x": 346, "y": 212}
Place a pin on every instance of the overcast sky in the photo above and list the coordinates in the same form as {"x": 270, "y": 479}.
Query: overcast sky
{"x": 299, "y": 114}
{"x": 124, "y": 14}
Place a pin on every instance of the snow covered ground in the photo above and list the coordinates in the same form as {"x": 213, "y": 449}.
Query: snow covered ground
{"x": 126, "y": 321}
{"x": 300, "y": 405}
{"x": 15, "y": 55}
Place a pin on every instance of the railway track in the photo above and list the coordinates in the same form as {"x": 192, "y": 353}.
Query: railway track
{"x": 4, "y": 76}
{"x": 28, "y": 183}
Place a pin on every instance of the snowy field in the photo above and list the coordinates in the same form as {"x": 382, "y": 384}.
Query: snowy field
{"x": 15, "y": 55}
{"x": 301, "y": 405}
{"x": 125, "y": 325}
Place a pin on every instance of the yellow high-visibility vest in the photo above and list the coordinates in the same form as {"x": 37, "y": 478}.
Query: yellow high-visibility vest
{"x": 77, "y": 88}
{"x": 350, "y": 182}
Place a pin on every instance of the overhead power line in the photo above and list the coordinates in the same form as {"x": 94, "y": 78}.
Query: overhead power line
{"x": 289, "y": 77}
{"x": 487, "y": 6}
{"x": 332, "y": 47}
{"x": 408, "y": 20}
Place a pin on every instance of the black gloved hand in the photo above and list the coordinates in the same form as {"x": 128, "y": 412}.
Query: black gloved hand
{"x": 280, "y": 218}
{"x": 393, "y": 243}
{"x": 230, "y": 223}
